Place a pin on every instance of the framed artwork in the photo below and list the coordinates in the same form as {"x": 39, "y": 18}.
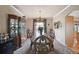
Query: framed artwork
{"x": 57, "y": 25}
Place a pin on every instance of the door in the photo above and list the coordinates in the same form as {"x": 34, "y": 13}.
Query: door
{"x": 69, "y": 31}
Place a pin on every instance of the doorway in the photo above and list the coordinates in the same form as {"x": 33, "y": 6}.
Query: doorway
{"x": 39, "y": 23}
{"x": 37, "y": 32}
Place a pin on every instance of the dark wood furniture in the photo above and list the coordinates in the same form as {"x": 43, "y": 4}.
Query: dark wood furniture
{"x": 6, "y": 47}
{"x": 14, "y": 30}
{"x": 42, "y": 45}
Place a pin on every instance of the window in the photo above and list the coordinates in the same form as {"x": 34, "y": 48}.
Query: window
{"x": 41, "y": 24}
{"x": 76, "y": 26}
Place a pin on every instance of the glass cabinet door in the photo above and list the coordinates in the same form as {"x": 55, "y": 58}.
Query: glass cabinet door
{"x": 76, "y": 27}
{"x": 16, "y": 28}
{"x": 13, "y": 27}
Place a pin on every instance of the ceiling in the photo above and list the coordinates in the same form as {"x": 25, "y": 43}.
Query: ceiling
{"x": 75, "y": 13}
{"x": 40, "y": 10}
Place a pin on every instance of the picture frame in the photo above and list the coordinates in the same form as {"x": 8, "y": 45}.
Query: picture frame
{"x": 57, "y": 25}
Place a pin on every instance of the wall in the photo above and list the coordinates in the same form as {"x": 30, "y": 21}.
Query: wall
{"x": 4, "y": 11}
{"x": 49, "y": 24}
{"x": 60, "y": 33}
{"x": 29, "y": 23}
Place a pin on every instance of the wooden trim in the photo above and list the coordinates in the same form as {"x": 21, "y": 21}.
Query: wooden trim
{"x": 12, "y": 16}
{"x": 19, "y": 34}
{"x": 45, "y": 23}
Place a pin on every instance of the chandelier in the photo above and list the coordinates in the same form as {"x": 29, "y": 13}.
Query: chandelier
{"x": 40, "y": 15}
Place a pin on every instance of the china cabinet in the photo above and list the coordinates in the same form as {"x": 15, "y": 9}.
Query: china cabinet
{"x": 14, "y": 30}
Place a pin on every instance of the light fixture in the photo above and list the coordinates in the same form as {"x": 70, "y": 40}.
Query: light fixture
{"x": 40, "y": 15}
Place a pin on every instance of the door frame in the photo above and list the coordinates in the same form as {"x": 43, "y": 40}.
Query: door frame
{"x": 40, "y": 20}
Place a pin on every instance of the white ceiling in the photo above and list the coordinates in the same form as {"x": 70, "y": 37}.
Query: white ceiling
{"x": 46, "y": 10}
{"x": 75, "y": 13}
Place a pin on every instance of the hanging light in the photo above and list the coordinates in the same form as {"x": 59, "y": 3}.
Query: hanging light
{"x": 40, "y": 15}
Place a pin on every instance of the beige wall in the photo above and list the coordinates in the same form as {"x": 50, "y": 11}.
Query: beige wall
{"x": 4, "y": 11}
{"x": 50, "y": 22}
{"x": 29, "y": 23}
